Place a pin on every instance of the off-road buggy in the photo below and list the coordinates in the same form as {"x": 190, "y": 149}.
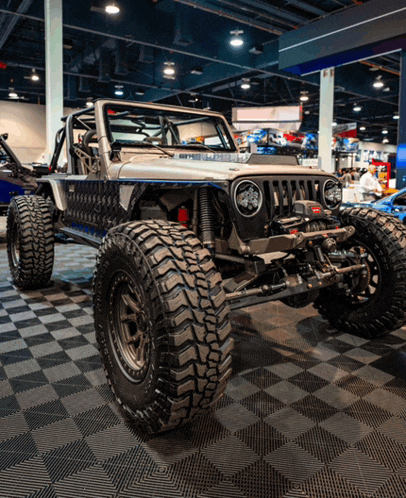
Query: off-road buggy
{"x": 187, "y": 229}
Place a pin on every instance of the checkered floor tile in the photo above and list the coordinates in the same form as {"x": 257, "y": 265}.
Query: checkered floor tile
{"x": 309, "y": 412}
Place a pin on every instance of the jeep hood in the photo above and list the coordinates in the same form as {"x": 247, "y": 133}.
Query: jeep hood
{"x": 202, "y": 167}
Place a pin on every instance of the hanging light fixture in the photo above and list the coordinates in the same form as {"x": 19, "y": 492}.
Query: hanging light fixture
{"x": 236, "y": 41}
{"x": 119, "y": 90}
{"x": 357, "y": 108}
{"x": 245, "y": 85}
{"x": 89, "y": 102}
{"x": 385, "y": 141}
{"x": 362, "y": 128}
{"x": 396, "y": 116}
{"x": 378, "y": 83}
{"x": 34, "y": 75}
{"x": 12, "y": 94}
{"x": 169, "y": 69}
{"x": 112, "y": 8}
{"x": 304, "y": 97}
{"x": 384, "y": 132}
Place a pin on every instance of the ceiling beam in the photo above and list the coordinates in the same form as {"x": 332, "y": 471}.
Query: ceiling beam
{"x": 308, "y": 7}
{"x": 22, "y": 8}
{"x": 219, "y": 11}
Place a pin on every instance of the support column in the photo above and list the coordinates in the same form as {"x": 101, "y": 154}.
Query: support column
{"x": 326, "y": 109}
{"x": 53, "y": 71}
{"x": 401, "y": 152}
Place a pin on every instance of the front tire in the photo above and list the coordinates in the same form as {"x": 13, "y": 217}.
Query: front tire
{"x": 381, "y": 306}
{"x": 161, "y": 323}
{"x": 30, "y": 241}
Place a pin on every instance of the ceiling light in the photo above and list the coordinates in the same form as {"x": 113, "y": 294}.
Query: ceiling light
{"x": 140, "y": 91}
{"x": 245, "y": 85}
{"x": 357, "y": 108}
{"x": 197, "y": 70}
{"x": 334, "y": 124}
{"x": 374, "y": 68}
{"x": 307, "y": 112}
{"x": 34, "y": 76}
{"x": 303, "y": 96}
{"x": 362, "y": 128}
{"x": 384, "y": 132}
{"x": 89, "y": 102}
{"x": 396, "y": 116}
{"x": 13, "y": 95}
{"x": 236, "y": 41}
{"x": 169, "y": 69}
{"x": 387, "y": 89}
{"x": 119, "y": 90}
{"x": 378, "y": 83}
{"x": 112, "y": 8}
{"x": 385, "y": 141}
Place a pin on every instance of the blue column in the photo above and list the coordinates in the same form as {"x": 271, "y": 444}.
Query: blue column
{"x": 401, "y": 152}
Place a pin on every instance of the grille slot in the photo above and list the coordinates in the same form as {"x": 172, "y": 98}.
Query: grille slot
{"x": 283, "y": 193}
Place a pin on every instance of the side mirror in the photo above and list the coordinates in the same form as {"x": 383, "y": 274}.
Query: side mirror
{"x": 4, "y": 136}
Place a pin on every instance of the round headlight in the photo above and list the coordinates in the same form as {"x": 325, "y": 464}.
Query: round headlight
{"x": 248, "y": 198}
{"x": 332, "y": 194}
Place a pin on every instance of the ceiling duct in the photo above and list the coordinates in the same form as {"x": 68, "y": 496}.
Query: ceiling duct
{"x": 121, "y": 61}
{"x": 104, "y": 66}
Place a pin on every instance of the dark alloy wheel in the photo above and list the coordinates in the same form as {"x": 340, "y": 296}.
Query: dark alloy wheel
{"x": 161, "y": 323}
{"x": 30, "y": 241}
{"x": 376, "y": 304}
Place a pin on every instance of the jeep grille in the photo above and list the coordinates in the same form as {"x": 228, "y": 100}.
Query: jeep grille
{"x": 283, "y": 193}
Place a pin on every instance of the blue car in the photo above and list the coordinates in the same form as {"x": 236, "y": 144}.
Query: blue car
{"x": 394, "y": 204}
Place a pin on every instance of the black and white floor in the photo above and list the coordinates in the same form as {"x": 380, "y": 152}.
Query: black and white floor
{"x": 309, "y": 412}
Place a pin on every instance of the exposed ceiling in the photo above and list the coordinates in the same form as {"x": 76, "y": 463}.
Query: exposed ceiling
{"x": 131, "y": 48}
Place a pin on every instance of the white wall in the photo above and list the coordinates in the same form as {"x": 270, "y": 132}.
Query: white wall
{"x": 25, "y": 125}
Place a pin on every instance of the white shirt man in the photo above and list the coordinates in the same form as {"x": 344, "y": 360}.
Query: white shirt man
{"x": 369, "y": 186}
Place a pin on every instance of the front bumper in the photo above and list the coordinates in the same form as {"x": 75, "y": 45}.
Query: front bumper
{"x": 282, "y": 243}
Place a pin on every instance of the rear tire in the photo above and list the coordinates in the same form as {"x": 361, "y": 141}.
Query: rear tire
{"x": 161, "y": 323}
{"x": 381, "y": 307}
{"x": 30, "y": 241}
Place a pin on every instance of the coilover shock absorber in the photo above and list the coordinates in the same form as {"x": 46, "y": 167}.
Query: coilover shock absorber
{"x": 206, "y": 218}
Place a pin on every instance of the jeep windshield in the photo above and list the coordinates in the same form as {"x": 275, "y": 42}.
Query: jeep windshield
{"x": 130, "y": 126}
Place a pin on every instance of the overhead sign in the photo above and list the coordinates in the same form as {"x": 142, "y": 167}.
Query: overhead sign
{"x": 281, "y": 117}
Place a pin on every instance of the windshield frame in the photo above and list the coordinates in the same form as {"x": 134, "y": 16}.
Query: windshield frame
{"x": 219, "y": 123}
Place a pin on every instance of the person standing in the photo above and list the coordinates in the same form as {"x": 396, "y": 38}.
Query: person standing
{"x": 346, "y": 179}
{"x": 369, "y": 186}
{"x": 355, "y": 175}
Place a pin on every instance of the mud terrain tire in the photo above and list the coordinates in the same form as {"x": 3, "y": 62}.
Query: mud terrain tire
{"x": 161, "y": 323}
{"x": 383, "y": 311}
{"x": 30, "y": 241}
